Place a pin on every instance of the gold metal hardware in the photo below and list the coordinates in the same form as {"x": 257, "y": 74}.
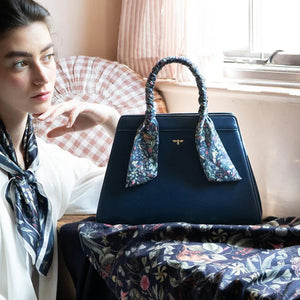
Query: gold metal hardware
{"x": 177, "y": 142}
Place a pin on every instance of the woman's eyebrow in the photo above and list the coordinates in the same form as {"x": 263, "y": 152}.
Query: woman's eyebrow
{"x": 50, "y": 45}
{"x": 17, "y": 54}
{"x": 25, "y": 53}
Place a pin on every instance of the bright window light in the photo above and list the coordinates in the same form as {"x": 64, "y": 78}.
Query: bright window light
{"x": 257, "y": 28}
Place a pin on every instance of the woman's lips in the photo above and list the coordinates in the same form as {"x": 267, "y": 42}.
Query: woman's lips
{"x": 43, "y": 96}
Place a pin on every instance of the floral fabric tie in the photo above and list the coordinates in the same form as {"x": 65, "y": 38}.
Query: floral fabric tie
{"x": 143, "y": 163}
{"x": 27, "y": 199}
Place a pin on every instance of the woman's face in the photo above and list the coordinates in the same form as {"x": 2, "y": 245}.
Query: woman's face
{"x": 27, "y": 70}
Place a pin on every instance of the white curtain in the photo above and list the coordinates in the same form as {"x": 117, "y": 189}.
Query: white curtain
{"x": 153, "y": 29}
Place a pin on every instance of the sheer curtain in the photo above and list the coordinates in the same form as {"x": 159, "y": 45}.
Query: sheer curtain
{"x": 153, "y": 29}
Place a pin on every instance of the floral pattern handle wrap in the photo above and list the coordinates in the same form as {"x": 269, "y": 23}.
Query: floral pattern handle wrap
{"x": 143, "y": 163}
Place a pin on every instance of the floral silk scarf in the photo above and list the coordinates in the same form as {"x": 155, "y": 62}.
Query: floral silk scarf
{"x": 27, "y": 199}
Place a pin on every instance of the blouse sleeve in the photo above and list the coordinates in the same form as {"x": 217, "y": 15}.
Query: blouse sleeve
{"x": 71, "y": 183}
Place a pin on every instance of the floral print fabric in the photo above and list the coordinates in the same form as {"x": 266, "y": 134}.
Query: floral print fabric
{"x": 143, "y": 163}
{"x": 189, "y": 261}
{"x": 27, "y": 199}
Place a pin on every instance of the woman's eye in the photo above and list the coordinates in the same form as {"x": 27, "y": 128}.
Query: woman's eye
{"x": 49, "y": 57}
{"x": 19, "y": 65}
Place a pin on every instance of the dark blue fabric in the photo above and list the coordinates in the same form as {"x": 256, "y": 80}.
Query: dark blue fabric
{"x": 197, "y": 261}
{"x": 87, "y": 281}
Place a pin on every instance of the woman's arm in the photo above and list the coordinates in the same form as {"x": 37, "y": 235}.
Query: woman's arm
{"x": 81, "y": 116}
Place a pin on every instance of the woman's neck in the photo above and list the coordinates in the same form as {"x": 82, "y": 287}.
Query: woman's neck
{"x": 15, "y": 128}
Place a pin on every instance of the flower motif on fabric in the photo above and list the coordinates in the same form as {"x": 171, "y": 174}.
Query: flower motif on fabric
{"x": 143, "y": 162}
{"x": 144, "y": 283}
{"x": 216, "y": 163}
{"x": 188, "y": 261}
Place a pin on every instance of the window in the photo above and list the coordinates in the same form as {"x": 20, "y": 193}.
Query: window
{"x": 260, "y": 42}
{"x": 255, "y": 29}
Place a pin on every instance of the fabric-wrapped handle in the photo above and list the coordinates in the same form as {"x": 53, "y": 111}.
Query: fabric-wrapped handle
{"x": 192, "y": 67}
{"x": 143, "y": 163}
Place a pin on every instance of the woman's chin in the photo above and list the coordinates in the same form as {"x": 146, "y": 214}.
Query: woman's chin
{"x": 40, "y": 110}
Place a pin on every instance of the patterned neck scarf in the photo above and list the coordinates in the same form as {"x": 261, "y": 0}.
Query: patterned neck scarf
{"x": 27, "y": 199}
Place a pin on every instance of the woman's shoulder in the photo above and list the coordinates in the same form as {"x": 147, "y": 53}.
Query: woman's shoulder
{"x": 51, "y": 150}
{"x": 42, "y": 144}
{"x": 53, "y": 154}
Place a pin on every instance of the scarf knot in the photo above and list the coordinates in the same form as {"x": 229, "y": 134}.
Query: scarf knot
{"x": 29, "y": 177}
{"x": 27, "y": 199}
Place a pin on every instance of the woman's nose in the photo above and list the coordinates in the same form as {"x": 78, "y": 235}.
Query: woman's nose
{"x": 40, "y": 76}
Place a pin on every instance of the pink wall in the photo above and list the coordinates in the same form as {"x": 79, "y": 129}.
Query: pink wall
{"x": 85, "y": 27}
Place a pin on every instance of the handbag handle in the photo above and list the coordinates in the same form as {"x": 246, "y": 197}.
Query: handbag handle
{"x": 143, "y": 162}
{"x": 202, "y": 99}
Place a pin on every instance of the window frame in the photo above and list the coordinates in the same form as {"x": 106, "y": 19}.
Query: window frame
{"x": 251, "y": 66}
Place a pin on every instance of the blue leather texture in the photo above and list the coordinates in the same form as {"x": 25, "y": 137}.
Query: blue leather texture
{"x": 181, "y": 191}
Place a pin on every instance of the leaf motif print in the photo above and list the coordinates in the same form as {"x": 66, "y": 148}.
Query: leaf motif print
{"x": 250, "y": 266}
{"x": 270, "y": 274}
{"x": 156, "y": 264}
{"x": 285, "y": 278}
{"x": 266, "y": 264}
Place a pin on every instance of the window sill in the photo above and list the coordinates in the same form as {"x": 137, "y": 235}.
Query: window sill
{"x": 231, "y": 85}
{"x": 255, "y": 88}
{"x": 262, "y": 75}
{"x": 251, "y": 78}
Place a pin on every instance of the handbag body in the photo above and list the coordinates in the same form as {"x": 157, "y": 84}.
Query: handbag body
{"x": 181, "y": 191}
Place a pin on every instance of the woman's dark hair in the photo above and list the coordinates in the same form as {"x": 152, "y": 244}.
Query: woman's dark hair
{"x": 17, "y": 13}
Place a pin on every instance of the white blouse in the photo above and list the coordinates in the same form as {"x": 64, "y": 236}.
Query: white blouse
{"x": 73, "y": 186}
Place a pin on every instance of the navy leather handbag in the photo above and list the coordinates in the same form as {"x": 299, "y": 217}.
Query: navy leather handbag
{"x": 187, "y": 167}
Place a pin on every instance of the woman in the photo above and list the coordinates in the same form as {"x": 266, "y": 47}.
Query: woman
{"x": 38, "y": 182}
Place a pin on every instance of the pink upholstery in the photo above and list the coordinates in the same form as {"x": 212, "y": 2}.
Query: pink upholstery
{"x": 98, "y": 80}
